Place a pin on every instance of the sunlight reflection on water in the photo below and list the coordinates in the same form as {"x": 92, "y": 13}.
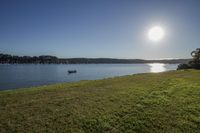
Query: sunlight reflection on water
{"x": 157, "y": 67}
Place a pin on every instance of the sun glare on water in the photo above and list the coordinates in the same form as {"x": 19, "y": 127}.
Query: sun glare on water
{"x": 157, "y": 67}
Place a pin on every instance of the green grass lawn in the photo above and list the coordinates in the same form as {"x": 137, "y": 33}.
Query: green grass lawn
{"x": 159, "y": 102}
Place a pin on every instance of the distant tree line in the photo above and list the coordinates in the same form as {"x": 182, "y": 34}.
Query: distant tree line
{"x": 48, "y": 59}
{"x": 194, "y": 63}
{"x": 12, "y": 59}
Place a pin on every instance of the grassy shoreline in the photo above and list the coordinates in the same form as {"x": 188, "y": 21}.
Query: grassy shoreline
{"x": 159, "y": 102}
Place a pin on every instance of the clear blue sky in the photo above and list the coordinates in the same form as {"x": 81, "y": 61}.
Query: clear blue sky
{"x": 99, "y": 28}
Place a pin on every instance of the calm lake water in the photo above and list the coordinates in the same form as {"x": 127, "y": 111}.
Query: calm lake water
{"x": 20, "y": 76}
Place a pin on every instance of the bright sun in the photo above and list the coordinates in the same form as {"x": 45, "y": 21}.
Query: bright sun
{"x": 156, "y": 33}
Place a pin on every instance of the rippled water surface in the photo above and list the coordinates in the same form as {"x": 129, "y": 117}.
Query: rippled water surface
{"x": 20, "y": 76}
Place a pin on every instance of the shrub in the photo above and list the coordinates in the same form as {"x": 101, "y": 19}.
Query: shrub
{"x": 183, "y": 66}
{"x": 194, "y": 63}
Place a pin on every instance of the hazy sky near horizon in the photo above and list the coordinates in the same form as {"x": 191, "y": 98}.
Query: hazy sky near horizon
{"x": 99, "y": 28}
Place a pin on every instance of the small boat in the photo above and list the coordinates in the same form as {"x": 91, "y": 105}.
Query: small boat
{"x": 72, "y": 71}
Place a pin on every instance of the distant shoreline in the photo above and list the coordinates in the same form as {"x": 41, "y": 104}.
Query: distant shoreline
{"x": 48, "y": 59}
{"x": 80, "y": 63}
